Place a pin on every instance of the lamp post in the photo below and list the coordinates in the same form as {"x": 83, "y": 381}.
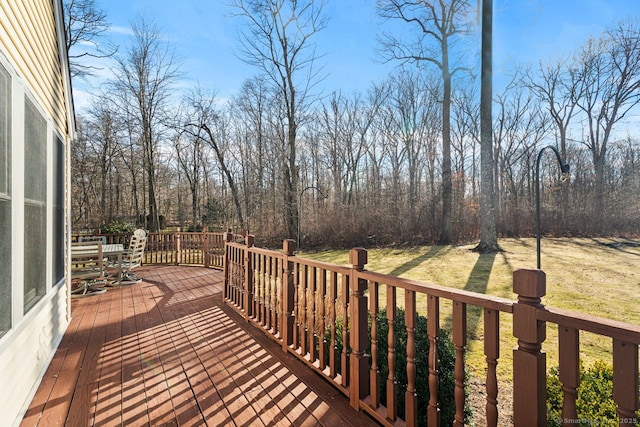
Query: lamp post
{"x": 564, "y": 168}
{"x": 300, "y": 208}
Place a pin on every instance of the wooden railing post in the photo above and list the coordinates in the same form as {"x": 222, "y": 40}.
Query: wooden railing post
{"x": 205, "y": 249}
{"x": 248, "y": 276}
{"x": 227, "y": 237}
{"x": 176, "y": 240}
{"x": 529, "y": 362}
{"x": 286, "y": 319}
{"x": 359, "y": 386}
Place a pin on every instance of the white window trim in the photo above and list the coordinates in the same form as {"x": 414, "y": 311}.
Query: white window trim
{"x": 19, "y": 92}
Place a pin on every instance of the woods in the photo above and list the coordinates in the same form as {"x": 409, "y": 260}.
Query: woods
{"x": 400, "y": 163}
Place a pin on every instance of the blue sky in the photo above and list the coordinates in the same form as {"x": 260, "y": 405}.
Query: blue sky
{"x": 204, "y": 34}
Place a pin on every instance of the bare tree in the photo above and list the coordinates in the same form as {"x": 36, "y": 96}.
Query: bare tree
{"x": 609, "y": 87}
{"x": 104, "y": 128}
{"x": 189, "y": 149}
{"x": 521, "y": 124}
{"x": 436, "y": 25}
{"x": 85, "y": 24}
{"x": 278, "y": 40}
{"x": 144, "y": 77}
{"x": 207, "y": 122}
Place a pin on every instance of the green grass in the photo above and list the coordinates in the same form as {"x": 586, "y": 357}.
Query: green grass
{"x": 600, "y": 277}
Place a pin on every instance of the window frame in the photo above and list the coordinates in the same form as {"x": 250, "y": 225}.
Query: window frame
{"x": 35, "y": 284}
{"x": 6, "y": 203}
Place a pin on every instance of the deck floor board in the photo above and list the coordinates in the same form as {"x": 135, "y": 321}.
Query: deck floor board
{"x": 167, "y": 351}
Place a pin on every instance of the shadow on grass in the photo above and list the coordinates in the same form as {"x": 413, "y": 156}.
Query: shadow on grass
{"x": 410, "y": 265}
{"x": 477, "y": 282}
{"x": 620, "y": 246}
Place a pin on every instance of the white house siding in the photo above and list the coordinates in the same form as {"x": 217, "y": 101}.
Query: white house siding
{"x": 28, "y": 36}
{"x": 33, "y": 52}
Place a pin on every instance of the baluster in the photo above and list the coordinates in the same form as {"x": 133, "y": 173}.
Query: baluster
{"x": 374, "y": 375}
{"x": 276, "y": 309}
{"x": 232, "y": 273}
{"x": 296, "y": 311}
{"x": 322, "y": 341}
{"x": 411, "y": 400}
{"x": 257, "y": 291}
{"x": 265, "y": 291}
{"x": 459, "y": 341}
{"x": 333, "y": 284}
{"x": 492, "y": 353}
{"x": 569, "y": 370}
{"x": 391, "y": 354}
{"x": 433, "y": 330}
{"x": 313, "y": 293}
{"x": 303, "y": 309}
{"x": 345, "y": 330}
{"x": 227, "y": 265}
{"x": 236, "y": 274}
{"x": 239, "y": 278}
{"x": 625, "y": 381}
{"x": 270, "y": 290}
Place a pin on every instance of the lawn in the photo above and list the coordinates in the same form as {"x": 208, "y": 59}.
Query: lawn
{"x": 595, "y": 276}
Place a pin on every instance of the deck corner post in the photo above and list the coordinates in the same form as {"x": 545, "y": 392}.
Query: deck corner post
{"x": 529, "y": 362}
{"x": 176, "y": 246}
{"x": 359, "y": 384}
{"x": 205, "y": 248}
{"x": 248, "y": 276}
{"x": 288, "y": 291}
{"x": 227, "y": 237}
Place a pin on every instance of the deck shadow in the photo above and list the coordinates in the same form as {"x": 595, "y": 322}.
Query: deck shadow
{"x": 478, "y": 281}
{"x": 413, "y": 263}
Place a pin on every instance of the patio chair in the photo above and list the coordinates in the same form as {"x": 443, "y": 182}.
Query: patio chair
{"x": 87, "y": 269}
{"x": 132, "y": 257}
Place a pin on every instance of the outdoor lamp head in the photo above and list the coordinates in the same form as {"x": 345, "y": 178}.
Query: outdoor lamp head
{"x": 565, "y": 172}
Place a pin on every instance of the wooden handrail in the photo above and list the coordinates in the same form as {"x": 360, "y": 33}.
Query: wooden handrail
{"x": 588, "y": 323}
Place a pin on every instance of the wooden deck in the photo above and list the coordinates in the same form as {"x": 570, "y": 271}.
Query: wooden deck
{"x": 168, "y": 352}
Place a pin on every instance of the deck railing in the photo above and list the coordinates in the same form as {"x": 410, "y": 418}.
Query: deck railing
{"x": 309, "y": 306}
{"x": 178, "y": 248}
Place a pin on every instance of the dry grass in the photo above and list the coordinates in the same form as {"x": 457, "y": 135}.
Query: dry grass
{"x": 595, "y": 276}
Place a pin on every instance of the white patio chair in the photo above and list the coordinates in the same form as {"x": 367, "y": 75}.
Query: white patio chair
{"x": 132, "y": 257}
{"x": 87, "y": 269}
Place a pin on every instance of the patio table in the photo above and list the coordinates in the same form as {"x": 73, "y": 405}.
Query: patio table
{"x": 109, "y": 250}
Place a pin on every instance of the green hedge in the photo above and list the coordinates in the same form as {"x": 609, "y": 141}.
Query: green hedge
{"x": 595, "y": 405}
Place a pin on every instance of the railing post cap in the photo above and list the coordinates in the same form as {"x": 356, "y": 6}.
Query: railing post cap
{"x": 289, "y": 246}
{"x": 250, "y": 239}
{"x": 228, "y": 236}
{"x": 358, "y": 257}
{"x": 531, "y": 283}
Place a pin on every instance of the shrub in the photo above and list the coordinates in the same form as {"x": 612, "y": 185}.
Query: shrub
{"x": 117, "y": 227}
{"x": 595, "y": 404}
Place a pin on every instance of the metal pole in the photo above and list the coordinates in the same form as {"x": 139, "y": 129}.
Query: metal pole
{"x": 564, "y": 168}
{"x": 300, "y": 209}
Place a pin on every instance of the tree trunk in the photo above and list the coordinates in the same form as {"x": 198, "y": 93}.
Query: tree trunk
{"x": 445, "y": 232}
{"x": 488, "y": 229}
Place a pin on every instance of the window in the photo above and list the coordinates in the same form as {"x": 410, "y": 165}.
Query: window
{"x": 58, "y": 211}
{"x": 35, "y": 205}
{"x": 5, "y": 201}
